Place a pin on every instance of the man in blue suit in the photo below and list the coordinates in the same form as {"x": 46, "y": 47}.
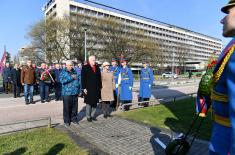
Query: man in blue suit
{"x": 146, "y": 82}
{"x": 126, "y": 84}
{"x": 223, "y": 94}
{"x": 115, "y": 70}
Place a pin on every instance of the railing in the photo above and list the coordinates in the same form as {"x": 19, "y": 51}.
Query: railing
{"x": 160, "y": 100}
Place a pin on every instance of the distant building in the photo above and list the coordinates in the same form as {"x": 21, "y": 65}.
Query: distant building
{"x": 199, "y": 46}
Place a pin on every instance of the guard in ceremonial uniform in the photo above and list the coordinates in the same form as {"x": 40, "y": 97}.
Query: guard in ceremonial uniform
{"x": 223, "y": 93}
{"x": 115, "y": 70}
{"x": 126, "y": 78}
{"x": 146, "y": 82}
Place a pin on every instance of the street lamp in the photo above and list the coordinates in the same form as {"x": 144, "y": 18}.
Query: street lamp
{"x": 173, "y": 61}
{"x": 85, "y": 45}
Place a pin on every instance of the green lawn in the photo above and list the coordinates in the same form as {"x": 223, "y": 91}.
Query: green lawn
{"x": 175, "y": 116}
{"x": 39, "y": 141}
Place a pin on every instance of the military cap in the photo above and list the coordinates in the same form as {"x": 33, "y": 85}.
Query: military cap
{"x": 230, "y": 4}
{"x": 114, "y": 59}
{"x": 122, "y": 60}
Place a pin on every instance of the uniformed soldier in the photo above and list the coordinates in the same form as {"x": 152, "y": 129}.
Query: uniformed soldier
{"x": 146, "y": 82}
{"x": 126, "y": 84}
{"x": 223, "y": 94}
{"x": 115, "y": 70}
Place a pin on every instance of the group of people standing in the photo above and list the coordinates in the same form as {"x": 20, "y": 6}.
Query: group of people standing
{"x": 109, "y": 84}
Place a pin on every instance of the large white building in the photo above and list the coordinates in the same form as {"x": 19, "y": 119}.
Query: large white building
{"x": 200, "y": 46}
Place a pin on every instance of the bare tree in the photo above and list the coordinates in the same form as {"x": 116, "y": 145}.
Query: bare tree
{"x": 121, "y": 39}
{"x": 50, "y": 37}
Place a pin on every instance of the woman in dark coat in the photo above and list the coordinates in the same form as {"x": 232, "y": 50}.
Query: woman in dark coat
{"x": 91, "y": 86}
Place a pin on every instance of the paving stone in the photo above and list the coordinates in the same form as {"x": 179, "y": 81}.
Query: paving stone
{"x": 118, "y": 136}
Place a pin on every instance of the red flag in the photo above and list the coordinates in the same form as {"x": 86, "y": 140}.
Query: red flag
{"x": 3, "y": 60}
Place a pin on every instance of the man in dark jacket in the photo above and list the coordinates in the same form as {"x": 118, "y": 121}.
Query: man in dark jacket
{"x": 70, "y": 91}
{"x": 6, "y": 74}
{"x": 91, "y": 86}
{"x": 58, "y": 85}
{"x": 15, "y": 80}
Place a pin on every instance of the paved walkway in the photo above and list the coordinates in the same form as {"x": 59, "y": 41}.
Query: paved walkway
{"x": 117, "y": 136}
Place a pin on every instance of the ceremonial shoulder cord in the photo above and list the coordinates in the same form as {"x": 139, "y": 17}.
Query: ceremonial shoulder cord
{"x": 219, "y": 72}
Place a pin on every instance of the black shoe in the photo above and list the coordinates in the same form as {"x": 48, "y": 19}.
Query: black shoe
{"x": 27, "y": 102}
{"x": 89, "y": 119}
{"x": 14, "y": 96}
{"x": 47, "y": 100}
{"x": 32, "y": 102}
{"x": 42, "y": 101}
{"x": 94, "y": 119}
{"x": 56, "y": 99}
{"x": 105, "y": 116}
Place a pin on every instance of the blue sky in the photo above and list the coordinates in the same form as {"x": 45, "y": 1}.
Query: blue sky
{"x": 202, "y": 16}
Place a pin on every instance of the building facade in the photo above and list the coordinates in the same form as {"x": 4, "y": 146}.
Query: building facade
{"x": 199, "y": 47}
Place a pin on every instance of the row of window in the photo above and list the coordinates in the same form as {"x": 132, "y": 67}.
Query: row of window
{"x": 49, "y": 4}
{"x": 162, "y": 36}
{"x": 51, "y": 10}
{"x": 171, "y": 32}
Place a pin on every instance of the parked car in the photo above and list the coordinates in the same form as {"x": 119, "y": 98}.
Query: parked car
{"x": 169, "y": 75}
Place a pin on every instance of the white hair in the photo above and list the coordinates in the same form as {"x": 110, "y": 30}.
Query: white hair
{"x": 69, "y": 62}
{"x": 106, "y": 63}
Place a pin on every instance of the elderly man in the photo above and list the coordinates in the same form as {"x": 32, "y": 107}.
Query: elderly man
{"x": 28, "y": 79}
{"x": 70, "y": 91}
{"x": 91, "y": 86}
{"x": 223, "y": 94}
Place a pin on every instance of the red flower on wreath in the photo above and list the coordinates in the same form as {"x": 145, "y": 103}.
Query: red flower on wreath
{"x": 214, "y": 62}
{"x": 209, "y": 66}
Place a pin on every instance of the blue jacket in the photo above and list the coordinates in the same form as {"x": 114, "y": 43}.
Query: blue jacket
{"x": 146, "y": 81}
{"x": 126, "y": 84}
{"x": 70, "y": 86}
{"x": 223, "y": 133}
